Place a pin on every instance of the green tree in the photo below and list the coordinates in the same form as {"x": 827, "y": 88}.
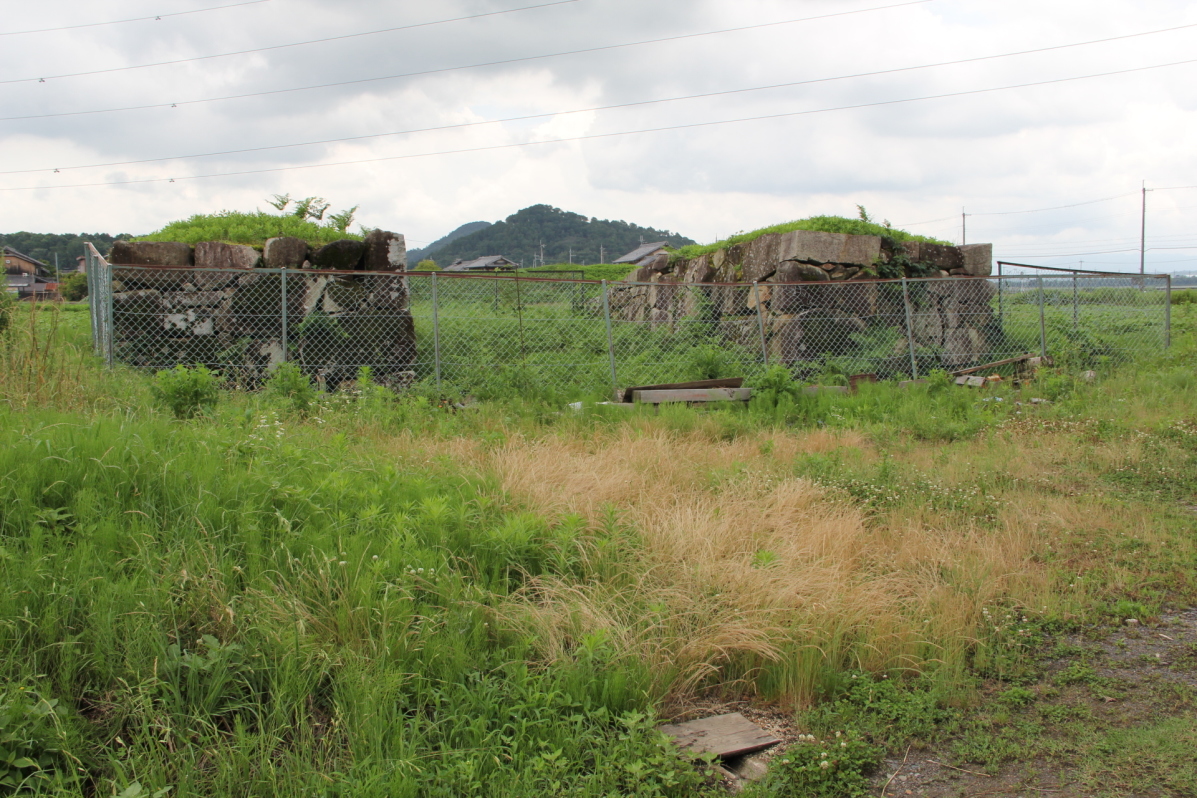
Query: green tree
{"x": 73, "y": 287}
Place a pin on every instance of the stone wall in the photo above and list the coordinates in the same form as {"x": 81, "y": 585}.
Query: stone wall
{"x": 232, "y": 319}
{"x": 816, "y": 290}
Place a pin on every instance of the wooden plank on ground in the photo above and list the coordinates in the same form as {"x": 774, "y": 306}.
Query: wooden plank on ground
{"x": 729, "y": 382}
{"x": 693, "y": 395}
{"x": 993, "y": 365}
{"x": 725, "y": 736}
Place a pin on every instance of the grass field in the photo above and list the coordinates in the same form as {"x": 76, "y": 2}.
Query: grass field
{"x": 382, "y": 596}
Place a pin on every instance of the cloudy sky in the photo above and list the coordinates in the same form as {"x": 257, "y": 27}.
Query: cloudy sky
{"x": 733, "y": 114}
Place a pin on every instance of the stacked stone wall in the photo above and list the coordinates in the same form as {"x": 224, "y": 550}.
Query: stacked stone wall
{"x": 181, "y": 311}
{"x": 816, "y": 290}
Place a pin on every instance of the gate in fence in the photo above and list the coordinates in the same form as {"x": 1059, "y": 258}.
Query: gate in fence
{"x": 494, "y": 335}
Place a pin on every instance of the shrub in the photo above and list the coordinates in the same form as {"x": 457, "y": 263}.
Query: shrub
{"x": 74, "y": 287}
{"x": 837, "y": 767}
{"x": 289, "y": 385}
{"x": 186, "y": 391}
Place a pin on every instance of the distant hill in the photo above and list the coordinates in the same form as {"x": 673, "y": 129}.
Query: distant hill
{"x": 414, "y": 256}
{"x": 68, "y": 246}
{"x": 519, "y": 238}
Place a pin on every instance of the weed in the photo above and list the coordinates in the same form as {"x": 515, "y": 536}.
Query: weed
{"x": 835, "y": 767}
{"x": 187, "y": 392}
{"x": 291, "y": 387}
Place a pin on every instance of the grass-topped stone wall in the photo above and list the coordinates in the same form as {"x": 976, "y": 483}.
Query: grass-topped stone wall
{"x": 220, "y": 303}
{"x": 819, "y": 292}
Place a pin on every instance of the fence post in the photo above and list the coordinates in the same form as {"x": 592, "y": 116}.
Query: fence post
{"x": 1042, "y": 324}
{"x": 108, "y": 334}
{"x": 1168, "y": 311}
{"x": 914, "y": 366}
{"x": 93, "y": 306}
{"x": 1075, "y": 322}
{"x": 610, "y": 342}
{"x": 283, "y": 311}
{"x": 760, "y": 320}
{"x": 1001, "y": 320}
{"x": 436, "y": 333}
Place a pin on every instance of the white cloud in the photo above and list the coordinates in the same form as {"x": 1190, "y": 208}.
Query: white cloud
{"x": 1007, "y": 150}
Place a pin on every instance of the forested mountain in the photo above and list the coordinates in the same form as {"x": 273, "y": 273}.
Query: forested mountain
{"x": 520, "y": 236}
{"x": 68, "y": 246}
{"x": 414, "y": 256}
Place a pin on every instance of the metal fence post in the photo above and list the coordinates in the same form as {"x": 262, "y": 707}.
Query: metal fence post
{"x": 760, "y": 320}
{"x": 1042, "y": 324}
{"x": 108, "y": 334}
{"x": 999, "y": 293}
{"x": 610, "y": 342}
{"x": 1168, "y": 311}
{"x": 283, "y": 310}
{"x": 1075, "y": 321}
{"x": 436, "y": 333}
{"x": 93, "y": 307}
{"x": 914, "y": 366}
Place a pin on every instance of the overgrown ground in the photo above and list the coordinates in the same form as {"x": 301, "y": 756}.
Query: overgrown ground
{"x": 380, "y": 596}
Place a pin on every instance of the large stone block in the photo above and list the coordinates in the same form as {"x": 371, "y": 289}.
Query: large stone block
{"x": 760, "y": 258}
{"x": 791, "y": 272}
{"x": 219, "y": 255}
{"x": 286, "y": 252}
{"x": 977, "y": 259}
{"x": 656, "y": 263}
{"x": 941, "y": 256}
{"x": 385, "y": 252}
{"x": 816, "y": 247}
{"x": 642, "y": 274}
{"x": 343, "y": 255}
{"x": 150, "y": 253}
{"x": 912, "y": 250}
{"x": 699, "y": 270}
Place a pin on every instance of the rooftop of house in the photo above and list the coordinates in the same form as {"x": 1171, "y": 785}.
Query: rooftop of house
{"x": 642, "y": 251}
{"x": 485, "y": 262}
{"x": 10, "y": 252}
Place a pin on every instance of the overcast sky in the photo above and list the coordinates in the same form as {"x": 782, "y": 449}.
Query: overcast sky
{"x": 917, "y": 164}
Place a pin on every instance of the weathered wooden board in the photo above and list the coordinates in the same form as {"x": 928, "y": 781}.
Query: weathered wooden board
{"x": 994, "y": 364}
{"x": 730, "y": 382}
{"x": 693, "y": 395}
{"x": 723, "y": 735}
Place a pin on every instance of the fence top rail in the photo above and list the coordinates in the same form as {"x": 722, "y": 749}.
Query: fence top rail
{"x": 1068, "y": 275}
{"x": 1075, "y": 271}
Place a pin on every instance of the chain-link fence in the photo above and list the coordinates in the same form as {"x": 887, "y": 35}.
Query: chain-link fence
{"x": 496, "y": 335}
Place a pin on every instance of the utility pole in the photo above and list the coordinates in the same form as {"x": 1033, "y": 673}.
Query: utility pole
{"x": 542, "y": 253}
{"x": 1143, "y": 230}
{"x": 571, "y": 256}
{"x": 601, "y": 259}
{"x": 963, "y": 227}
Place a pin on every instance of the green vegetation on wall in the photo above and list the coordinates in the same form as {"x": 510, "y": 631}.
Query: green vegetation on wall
{"x": 305, "y": 220}
{"x": 863, "y": 226}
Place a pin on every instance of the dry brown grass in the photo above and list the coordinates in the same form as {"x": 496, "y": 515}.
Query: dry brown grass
{"x": 746, "y": 576}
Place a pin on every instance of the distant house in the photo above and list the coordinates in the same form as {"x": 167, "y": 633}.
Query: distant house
{"x": 642, "y": 253}
{"x": 18, "y": 263}
{"x": 26, "y": 277}
{"x": 30, "y": 286}
{"x": 484, "y": 264}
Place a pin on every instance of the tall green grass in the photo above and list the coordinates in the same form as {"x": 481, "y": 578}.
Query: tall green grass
{"x": 256, "y": 608}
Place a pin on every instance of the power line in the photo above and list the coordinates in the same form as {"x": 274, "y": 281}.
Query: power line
{"x": 434, "y": 71}
{"x": 44, "y": 78}
{"x": 596, "y": 136}
{"x": 155, "y": 17}
{"x": 544, "y": 115}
